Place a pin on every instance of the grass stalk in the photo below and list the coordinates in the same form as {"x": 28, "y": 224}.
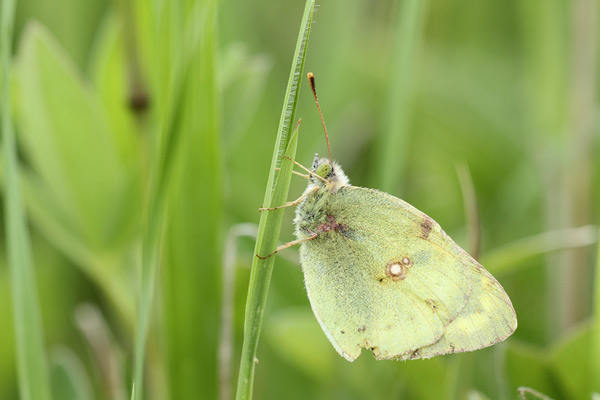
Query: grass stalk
{"x": 578, "y": 144}
{"x": 544, "y": 39}
{"x": 471, "y": 209}
{"x": 155, "y": 212}
{"x": 34, "y": 381}
{"x": 270, "y": 222}
{"x": 512, "y": 256}
{"x": 595, "y": 353}
{"x": 393, "y": 142}
{"x": 191, "y": 261}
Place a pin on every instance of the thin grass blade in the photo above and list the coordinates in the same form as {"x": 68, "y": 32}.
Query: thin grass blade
{"x": 34, "y": 382}
{"x": 393, "y": 144}
{"x": 191, "y": 260}
{"x": 270, "y": 222}
{"x": 595, "y": 353}
{"x": 511, "y": 256}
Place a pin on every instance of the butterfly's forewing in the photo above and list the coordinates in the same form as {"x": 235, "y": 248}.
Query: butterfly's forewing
{"x": 441, "y": 302}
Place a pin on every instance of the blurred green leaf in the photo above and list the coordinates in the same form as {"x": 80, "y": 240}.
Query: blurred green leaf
{"x": 32, "y": 365}
{"x": 393, "y": 143}
{"x": 595, "y": 353}
{"x": 297, "y": 337}
{"x": 191, "y": 264}
{"x": 511, "y": 256}
{"x": 63, "y": 18}
{"x": 69, "y": 378}
{"x": 475, "y": 395}
{"x": 527, "y": 366}
{"x": 242, "y": 81}
{"x": 83, "y": 171}
{"x": 83, "y": 187}
{"x": 570, "y": 361}
{"x": 108, "y": 71}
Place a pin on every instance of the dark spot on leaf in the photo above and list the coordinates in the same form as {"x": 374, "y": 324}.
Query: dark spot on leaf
{"x": 342, "y": 332}
{"x": 451, "y": 348}
{"x": 362, "y": 329}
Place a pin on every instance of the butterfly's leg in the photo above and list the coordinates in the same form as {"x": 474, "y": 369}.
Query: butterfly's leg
{"x": 290, "y": 203}
{"x": 302, "y": 175}
{"x": 287, "y": 245}
{"x": 297, "y": 173}
{"x": 311, "y": 173}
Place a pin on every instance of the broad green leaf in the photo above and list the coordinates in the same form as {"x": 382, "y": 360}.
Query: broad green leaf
{"x": 83, "y": 186}
{"x": 81, "y": 165}
{"x": 111, "y": 75}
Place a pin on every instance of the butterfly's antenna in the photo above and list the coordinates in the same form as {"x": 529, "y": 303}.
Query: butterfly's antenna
{"x": 311, "y": 80}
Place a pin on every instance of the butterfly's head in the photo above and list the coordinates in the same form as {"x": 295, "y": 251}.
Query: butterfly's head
{"x": 330, "y": 171}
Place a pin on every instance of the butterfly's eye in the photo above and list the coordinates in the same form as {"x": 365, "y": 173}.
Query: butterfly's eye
{"x": 323, "y": 170}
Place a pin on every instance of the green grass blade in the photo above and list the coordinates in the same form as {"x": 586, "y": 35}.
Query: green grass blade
{"x": 33, "y": 375}
{"x": 393, "y": 144}
{"x": 512, "y": 256}
{"x": 260, "y": 277}
{"x": 471, "y": 208}
{"x": 270, "y": 222}
{"x": 545, "y": 51}
{"x": 261, "y": 273}
{"x": 178, "y": 46}
{"x": 150, "y": 259}
{"x": 595, "y": 353}
{"x": 191, "y": 264}
{"x": 151, "y": 235}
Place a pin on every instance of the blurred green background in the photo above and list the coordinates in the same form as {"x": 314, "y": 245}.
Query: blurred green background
{"x": 508, "y": 89}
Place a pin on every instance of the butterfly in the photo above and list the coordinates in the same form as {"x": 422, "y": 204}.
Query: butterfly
{"x": 384, "y": 276}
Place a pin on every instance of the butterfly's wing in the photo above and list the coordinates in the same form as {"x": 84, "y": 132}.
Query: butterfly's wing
{"x": 437, "y": 300}
{"x": 488, "y": 318}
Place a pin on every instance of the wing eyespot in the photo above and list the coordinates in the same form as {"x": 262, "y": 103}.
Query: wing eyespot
{"x": 397, "y": 269}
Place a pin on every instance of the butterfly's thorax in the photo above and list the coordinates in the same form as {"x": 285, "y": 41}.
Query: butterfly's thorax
{"x": 313, "y": 211}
